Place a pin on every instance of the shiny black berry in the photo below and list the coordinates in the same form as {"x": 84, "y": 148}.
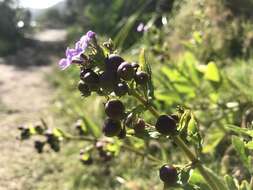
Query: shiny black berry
{"x": 121, "y": 89}
{"x": 139, "y": 127}
{"x": 113, "y": 62}
{"x": 84, "y": 89}
{"x": 107, "y": 81}
{"x": 168, "y": 174}
{"x": 141, "y": 78}
{"x": 166, "y": 125}
{"x": 126, "y": 71}
{"x": 115, "y": 109}
{"x": 111, "y": 128}
{"x": 38, "y": 145}
{"x": 90, "y": 78}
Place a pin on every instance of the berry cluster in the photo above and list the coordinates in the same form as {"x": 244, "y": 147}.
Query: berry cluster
{"x": 112, "y": 75}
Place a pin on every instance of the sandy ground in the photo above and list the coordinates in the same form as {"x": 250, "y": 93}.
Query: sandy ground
{"x": 25, "y": 97}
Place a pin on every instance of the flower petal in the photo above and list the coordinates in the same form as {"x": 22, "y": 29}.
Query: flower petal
{"x": 64, "y": 63}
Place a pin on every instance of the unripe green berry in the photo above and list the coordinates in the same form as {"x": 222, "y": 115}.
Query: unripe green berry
{"x": 121, "y": 89}
{"x": 115, "y": 109}
{"x": 166, "y": 125}
{"x": 84, "y": 89}
{"x": 168, "y": 174}
{"x": 111, "y": 128}
{"x": 141, "y": 78}
{"x": 126, "y": 71}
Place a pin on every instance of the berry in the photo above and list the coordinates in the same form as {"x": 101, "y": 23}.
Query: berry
{"x": 111, "y": 128}
{"x": 121, "y": 89}
{"x": 166, "y": 125}
{"x": 126, "y": 71}
{"x": 135, "y": 65}
{"x": 83, "y": 72}
{"x": 39, "y": 129}
{"x": 107, "y": 81}
{"x": 38, "y": 145}
{"x": 85, "y": 158}
{"x": 84, "y": 89}
{"x": 25, "y": 134}
{"x": 168, "y": 174}
{"x": 141, "y": 78}
{"x": 139, "y": 127}
{"x": 175, "y": 117}
{"x": 115, "y": 109}
{"x": 90, "y": 78}
{"x": 113, "y": 62}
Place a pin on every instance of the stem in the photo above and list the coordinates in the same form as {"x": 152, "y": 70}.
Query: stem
{"x": 126, "y": 147}
{"x": 178, "y": 140}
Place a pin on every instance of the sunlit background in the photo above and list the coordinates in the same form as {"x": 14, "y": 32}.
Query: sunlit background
{"x": 38, "y": 4}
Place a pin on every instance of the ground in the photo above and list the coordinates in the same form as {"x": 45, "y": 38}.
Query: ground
{"x": 25, "y": 97}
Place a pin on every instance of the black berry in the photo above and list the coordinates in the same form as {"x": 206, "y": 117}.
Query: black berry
{"x": 166, "y": 125}
{"x": 126, "y": 71}
{"x": 39, "y": 129}
{"x": 25, "y": 134}
{"x": 115, "y": 109}
{"x": 38, "y": 145}
{"x": 168, "y": 174}
{"x": 113, "y": 62}
{"x": 90, "y": 78}
{"x": 107, "y": 81}
{"x": 111, "y": 128}
{"x": 121, "y": 89}
{"x": 139, "y": 127}
{"x": 84, "y": 89}
{"x": 141, "y": 78}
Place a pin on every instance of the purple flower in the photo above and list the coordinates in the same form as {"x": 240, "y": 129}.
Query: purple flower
{"x": 73, "y": 55}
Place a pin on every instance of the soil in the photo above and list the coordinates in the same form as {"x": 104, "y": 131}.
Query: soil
{"x": 25, "y": 97}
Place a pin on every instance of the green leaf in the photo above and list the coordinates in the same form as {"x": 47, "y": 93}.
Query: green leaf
{"x": 231, "y": 183}
{"x": 193, "y": 133}
{"x": 249, "y": 145}
{"x": 212, "y": 72}
{"x": 211, "y": 141}
{"x": 91, "y": 126}
{"x": 239, "y": 130}
{"x": 245, "y": 185}
{"x": 147, "y": 68}
{"x": 217, "y": 180}
{"x": 240, "y": 149}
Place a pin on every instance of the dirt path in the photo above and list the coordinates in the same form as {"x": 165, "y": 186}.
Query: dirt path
{"x": 25, "y": 96}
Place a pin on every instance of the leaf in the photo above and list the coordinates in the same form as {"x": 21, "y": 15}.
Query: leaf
{"x": 249, "y": 145}
{"x": 91, "y": 126}
{"x": 211, "y": 141}
{"x": 240, "y": 149}
{"x": 231, "y": 183}
{"x": 196, "y": 178}
{"x": 239, "y": 130}
{"x": 193, "y": 133}
{"x": 212, "y": 72}
{"x": 147, "y": 68}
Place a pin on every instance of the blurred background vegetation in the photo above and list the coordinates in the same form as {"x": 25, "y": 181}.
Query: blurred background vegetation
{"x": 201, "y": 57}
